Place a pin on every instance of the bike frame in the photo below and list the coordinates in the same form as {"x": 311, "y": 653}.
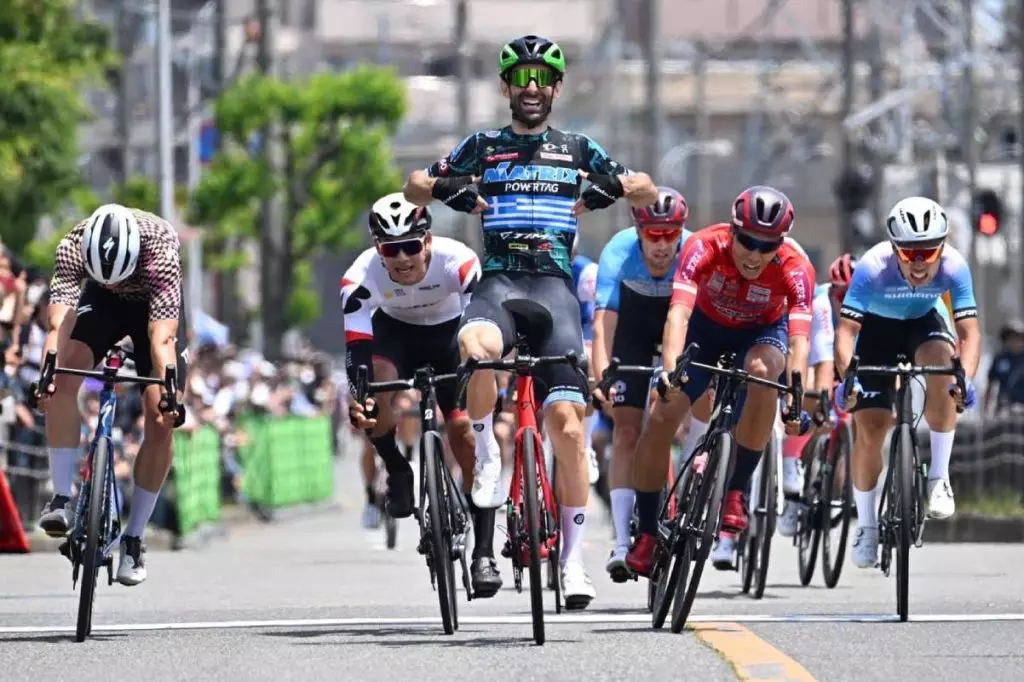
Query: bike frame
{"x": 526, "y": 418}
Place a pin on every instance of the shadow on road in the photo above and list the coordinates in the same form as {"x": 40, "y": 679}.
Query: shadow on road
{"x": 396, "y": 637}
{"x": 68, "y": 638}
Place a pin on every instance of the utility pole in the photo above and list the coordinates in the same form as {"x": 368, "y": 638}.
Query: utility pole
{"x": 164, "y": 128}
{"x": 849, "y": 85}
{"x": 652, "y": 55}
{"x": 876, "y": 87}
{"x": 1020, "y": 140}
{"x": 125, "y": 44}
{"x": 227, "y": 290}
{"x": 463, "y": 74}
{"x": 702, "y": 132}
{"x": 968, "y": 148}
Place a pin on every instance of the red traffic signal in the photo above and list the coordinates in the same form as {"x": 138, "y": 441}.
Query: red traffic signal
{"x": 988, "y": 212}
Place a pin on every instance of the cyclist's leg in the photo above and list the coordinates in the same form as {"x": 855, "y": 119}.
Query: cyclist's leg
{"x": 156, "y": 451}
{"x": 698, "y": 426}
{"x": 82, "y": 339}
{"x": 872, "y": 419}
{"x": 486, "y": 331}
{"x": 934, "y": 346}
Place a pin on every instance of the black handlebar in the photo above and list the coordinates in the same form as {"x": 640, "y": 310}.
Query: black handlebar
{"x": 364, "y": 389}
{"x": 109, "y": 375}
{"x": 522, "y": 365}
{"x": 905, "y": 369}
{"x": 608, "y": 377}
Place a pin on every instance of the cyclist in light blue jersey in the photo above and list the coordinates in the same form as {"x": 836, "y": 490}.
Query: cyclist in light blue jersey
{"x": 584, "y": 276}
{"x": 888, "y": 310}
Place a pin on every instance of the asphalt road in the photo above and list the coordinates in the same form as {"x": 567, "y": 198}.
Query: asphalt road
{"x": 319, "y": 597}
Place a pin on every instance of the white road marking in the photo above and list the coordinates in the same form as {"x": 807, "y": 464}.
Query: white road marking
{"x": 564, "y": 619}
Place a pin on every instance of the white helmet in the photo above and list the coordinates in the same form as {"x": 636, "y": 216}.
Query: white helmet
{"x": 110, "y": 244}
{"x": 916, "y": 219}
{"x": 394, "y": 216}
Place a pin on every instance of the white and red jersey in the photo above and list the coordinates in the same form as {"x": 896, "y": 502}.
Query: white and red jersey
{"x": 439, "y": 297}
{"x": 707, "y": 279}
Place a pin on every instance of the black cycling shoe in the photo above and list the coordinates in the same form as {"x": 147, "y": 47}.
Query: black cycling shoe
{"x": 486, "y": 578}
{"x": 399, "y": 500}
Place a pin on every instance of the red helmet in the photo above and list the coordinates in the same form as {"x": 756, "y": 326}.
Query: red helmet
{"x": 763, "y": 210}
{"x": 841, "y": 271}
{"x": 668, "y": 209}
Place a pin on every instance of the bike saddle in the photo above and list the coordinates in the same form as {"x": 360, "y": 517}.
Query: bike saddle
{"x": 536, "y": 316}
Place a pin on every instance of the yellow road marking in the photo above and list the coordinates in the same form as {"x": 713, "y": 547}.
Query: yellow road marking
{"x": 751, "y": 657}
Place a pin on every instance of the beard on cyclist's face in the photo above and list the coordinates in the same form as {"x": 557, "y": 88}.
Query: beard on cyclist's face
{"x": 531, "y": 105}
{"x": 658, "y": 254}
{"x": 403, "y": 267}
{"x": 751, "y": 261}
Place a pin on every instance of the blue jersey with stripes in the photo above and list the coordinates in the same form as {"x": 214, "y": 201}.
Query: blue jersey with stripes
{"x": 879, "y": 288}
{"x": 530, "y": 183}
{"x": 584, "y": 276}
{"x": 623, "y": 279}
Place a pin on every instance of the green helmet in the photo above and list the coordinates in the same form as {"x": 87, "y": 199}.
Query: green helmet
{"x": 531, "y": 50}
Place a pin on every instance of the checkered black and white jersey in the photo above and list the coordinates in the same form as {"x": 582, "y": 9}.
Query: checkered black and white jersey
{"x": 157, "y": 278}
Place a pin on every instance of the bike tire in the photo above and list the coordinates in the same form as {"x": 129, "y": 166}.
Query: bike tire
{"x": 554, "y": 566}
{"x": 390, "y": 531}
{"x": 766, "y": 529}
{"x": 839, "y": 458}
{"x": 710, "y": 499}
{"x": 903, "y": 483}
{"x": 665, "y": 579}
{"x": 439, "y": 539}
{"x": 96, "y": 507}
{"x": 532, "y": 516}
{"x": 809, "y": 528}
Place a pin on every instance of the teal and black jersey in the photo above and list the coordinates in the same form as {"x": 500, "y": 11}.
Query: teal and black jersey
{"x": 531, "y": 183}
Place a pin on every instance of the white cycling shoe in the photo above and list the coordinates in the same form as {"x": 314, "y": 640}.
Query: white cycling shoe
{"x": 577, "y": 589}
{"x": 723, "y": 556}
{"x": 865, "y": 547}
{"x": 792, "y": 475}
{"x": 941, "y": 504}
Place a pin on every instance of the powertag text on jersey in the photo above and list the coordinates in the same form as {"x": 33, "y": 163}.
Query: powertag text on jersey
{"x": 879, "y": 287}
{"x": 530, "y": 183}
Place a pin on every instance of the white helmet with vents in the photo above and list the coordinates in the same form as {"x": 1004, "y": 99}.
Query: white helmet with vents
{"x": 394, "y": 216}
{"x": 916, "y": 219}
{"x": 111, "y": 243}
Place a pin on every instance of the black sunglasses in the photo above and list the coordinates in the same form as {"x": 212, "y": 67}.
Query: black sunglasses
{"x": 409, "y": 247}
{"x": 753, "y": 244}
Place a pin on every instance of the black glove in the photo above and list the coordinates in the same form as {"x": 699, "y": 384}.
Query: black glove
{"x": 604, "y": 191}
{"x": 456, "y": 193}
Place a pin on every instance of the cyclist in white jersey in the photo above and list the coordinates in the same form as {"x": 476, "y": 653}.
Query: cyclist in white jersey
{"x": 403, "y": 299}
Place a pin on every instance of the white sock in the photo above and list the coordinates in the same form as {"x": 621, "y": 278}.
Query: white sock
{"x": 483, "y": 432}
{"x": 143, "y": 504}
{"x": 63, "y": 465}
{"x": 942, "y": 450}
{"x": 866, "y": 513}
{"x": 573, "y": 520}
{"x": 695, "y": 433}
{"x": 622, "y": 512}
{"x": 588, "y": 429}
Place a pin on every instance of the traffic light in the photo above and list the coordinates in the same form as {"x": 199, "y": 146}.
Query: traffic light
{"x": 988, "y": 212}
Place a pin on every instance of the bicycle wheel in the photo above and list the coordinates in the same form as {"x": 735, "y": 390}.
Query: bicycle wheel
{"x": 768, "y": 508}
{"x": 672, "y": 565}
{"x": 836, "y": 504}
{"x": 707, "y": 515}
{"x": 809, "y": 528}
{"x": 439, "y": 538}
{"x": 532, "y": 516}
{"x": 96, "y": 507}
{"x": 390, "y": 531}
{"x": 903, "y": 484}
{"x": 554, "y": 571}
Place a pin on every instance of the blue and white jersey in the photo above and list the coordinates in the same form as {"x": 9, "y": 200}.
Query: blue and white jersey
{"x": 879, "y": 288}
{"x": 584, "y": 276}
{"x": 623, "y": 280}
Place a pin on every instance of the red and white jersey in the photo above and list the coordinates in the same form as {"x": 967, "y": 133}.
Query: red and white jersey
{"x": 707, "y": 279}
{"x": 440, "y": 296}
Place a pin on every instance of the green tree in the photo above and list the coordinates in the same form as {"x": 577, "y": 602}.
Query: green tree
{"x": 47, "y": 55}
{"x": 331, "y": 132}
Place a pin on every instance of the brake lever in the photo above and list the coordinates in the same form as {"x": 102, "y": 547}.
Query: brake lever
{"x": 797, "y": 391}
{"x": 677, "y": 376}
{"x": 605, "y": 384}
{"x": 961, "y": 385}
{"x": 851, "y": 376}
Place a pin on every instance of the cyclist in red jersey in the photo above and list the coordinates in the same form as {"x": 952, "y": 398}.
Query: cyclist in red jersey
{"x": 740, "y": 288}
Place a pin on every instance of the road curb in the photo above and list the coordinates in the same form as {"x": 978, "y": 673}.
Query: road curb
{"x": 155, "y": 539}
{"x": 975, "y": 528}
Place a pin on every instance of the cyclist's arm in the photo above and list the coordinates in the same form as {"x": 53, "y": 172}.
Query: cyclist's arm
{"x": 606, "y": 303}
{"x": 358, "y": 300}
{"x": 851, "y": 315}
{"x": 692, "y": 262}
{"x": 605, "y": 322}
{"x": 969, "y": 332}
{"x": 823, "y": 338}
{"x": 800, "y": 292}
{"x": 460, "y": 161}
{"x": 163, "y": 336}
{"x": 65, "y": 290}
{"x": 965, "y": 316}
{"x": 637, "y": 188}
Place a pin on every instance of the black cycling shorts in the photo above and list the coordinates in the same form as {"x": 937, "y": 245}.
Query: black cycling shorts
{"x": 881, "y": 339}
{"x": 411, "y": 346}
{"x": 555, "y": 294}
{"x": 104, "y": 318}
{"x": 637, "y": 341}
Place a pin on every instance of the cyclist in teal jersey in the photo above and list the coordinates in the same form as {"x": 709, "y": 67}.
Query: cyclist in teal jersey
{"x": 524, "y": 181}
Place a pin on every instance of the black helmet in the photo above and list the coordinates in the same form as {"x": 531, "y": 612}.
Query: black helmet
{"x": 531, "y": 50}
